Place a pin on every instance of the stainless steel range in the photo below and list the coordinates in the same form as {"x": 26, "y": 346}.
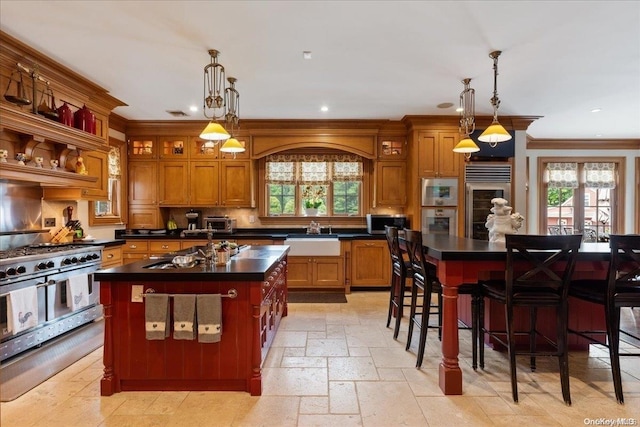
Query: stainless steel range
{"x": 49, "y": 268}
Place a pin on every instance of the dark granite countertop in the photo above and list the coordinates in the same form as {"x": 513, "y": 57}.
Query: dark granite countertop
{"x": 251, "y": 264}
{"x": 453, "y": 248}
{"x": 100, "y": 242}
{"x": 252, "y": 234}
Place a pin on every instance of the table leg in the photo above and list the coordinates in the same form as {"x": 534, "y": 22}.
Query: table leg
{"x": 450, "y": 374}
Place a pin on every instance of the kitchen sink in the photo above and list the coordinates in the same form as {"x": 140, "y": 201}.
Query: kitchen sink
{"x": 313, "y": 246}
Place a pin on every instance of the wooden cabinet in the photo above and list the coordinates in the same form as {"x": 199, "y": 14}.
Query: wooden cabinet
{"x": 391, "y": 183}
{"x": 173, "y": 147}
{"x": 235, "y": 184}
{"x": 370, "y": 263}
{"x": 162, "y": 247}
{"x": 111, "y": 257}
{"x": 435, "y": 154}
{"x": 203, "y": 183}
{"x": 315, "y": 272}
{"x": 142, "y": 148}
{"x": 393, "y": 147}
{"x": 174, "y": 181}
{"x": 135, "y": 250}
{"x": 97, "y": 166}
{"x": 143, "y": 183}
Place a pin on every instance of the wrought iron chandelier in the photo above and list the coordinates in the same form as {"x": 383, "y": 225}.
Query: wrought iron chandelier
{"x": 214, "y": 107}
{"x": 495, "y": 133}
{"x": 467, "y": 120}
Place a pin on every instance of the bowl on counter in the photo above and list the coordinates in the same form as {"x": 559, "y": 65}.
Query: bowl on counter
{"x": 185, "y": 261}
{"x": 143, "y": 231}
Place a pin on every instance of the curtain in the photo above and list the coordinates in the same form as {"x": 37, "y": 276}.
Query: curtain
{"x": 562, "y": 175}
{"x": 599, "y": 175}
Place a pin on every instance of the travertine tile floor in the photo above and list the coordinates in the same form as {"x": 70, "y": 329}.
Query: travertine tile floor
{"x": 337, "y": 364}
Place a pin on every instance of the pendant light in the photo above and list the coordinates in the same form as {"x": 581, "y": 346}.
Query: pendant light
{"x": 214, "y": 105}
{"x": 495, "y": 133}
{"x": 467, "y": 121}
{"x": 232, "y": 117}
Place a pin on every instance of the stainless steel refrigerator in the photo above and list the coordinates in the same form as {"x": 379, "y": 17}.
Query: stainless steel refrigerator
{"x": 484, "y": 182}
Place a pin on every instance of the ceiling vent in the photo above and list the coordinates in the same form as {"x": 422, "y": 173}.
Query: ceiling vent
{"x": 177, "y": 113}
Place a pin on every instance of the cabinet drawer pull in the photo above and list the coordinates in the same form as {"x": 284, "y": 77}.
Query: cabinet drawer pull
{"x": 165, "y": 246}
{"x": 133, "y": 247}
{"x": 370, "y": 244}
{"x": 110, "y": 256}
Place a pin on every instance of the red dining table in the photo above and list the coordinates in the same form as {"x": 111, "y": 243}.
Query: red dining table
{"x": 462, "y": 260}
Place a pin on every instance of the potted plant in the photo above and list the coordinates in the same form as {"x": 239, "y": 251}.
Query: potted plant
{"x": 312, "y": 199}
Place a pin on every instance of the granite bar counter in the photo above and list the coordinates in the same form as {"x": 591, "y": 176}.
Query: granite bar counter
{"x": 254, "y": 289}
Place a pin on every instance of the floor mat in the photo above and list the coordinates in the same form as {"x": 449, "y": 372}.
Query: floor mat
{"x": 317, "y": 297}
{"x": 24, "y": 372}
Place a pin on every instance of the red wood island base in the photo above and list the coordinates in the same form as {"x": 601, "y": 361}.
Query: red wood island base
{"x": 460, "y": 260}
{"x": 249, "y": 324}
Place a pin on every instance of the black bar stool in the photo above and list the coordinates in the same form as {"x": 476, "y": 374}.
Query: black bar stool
{"x": 621, "y": 288}
{"x": 538, "y": 273}
{"x": 400, "y": 270}
{"x": 425, "y": 285}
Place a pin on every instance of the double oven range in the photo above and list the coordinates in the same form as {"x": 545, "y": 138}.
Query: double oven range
{"x": 47, "y": 267}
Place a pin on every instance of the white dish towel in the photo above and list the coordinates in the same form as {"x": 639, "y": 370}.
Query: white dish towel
{"x": 22, "y": 309}
{"x": 78, "y": 291}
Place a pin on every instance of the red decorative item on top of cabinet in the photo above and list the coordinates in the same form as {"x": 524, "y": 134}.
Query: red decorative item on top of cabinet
{"x": 85, "y": 120}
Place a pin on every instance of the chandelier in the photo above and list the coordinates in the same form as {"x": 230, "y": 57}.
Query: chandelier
{"x": 495, "y": 133}
{"x": 467, "y": 120}
{"x": 214, "y": 107}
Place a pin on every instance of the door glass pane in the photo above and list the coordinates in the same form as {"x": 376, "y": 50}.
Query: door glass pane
{"x": 560, "y": 211}
{"x": 597, "y": 214}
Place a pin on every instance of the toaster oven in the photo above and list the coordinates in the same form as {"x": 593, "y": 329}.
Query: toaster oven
{"x": 220, "y": 224}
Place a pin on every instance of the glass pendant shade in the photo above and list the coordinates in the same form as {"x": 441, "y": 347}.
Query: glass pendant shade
{"x": 232, "y": 145}
{"x": 215, "y": 132}
{"x": 466, "y": 145}
{"x": 495, "y": 133}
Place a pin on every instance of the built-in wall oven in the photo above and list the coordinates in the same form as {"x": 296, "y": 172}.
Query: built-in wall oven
{"x": 439, "y": 220}
{"x": 484, "y": 182}
{"x": 439, "y": 205}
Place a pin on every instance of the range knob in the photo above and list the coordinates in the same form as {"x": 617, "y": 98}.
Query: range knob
{"x": 21, "y": 269}
{"x": 83, "y": 259}
{"x": 3, "y": 274}
{"x": 42, "y": 266}
{"x": 95, "y": 256}
{"x": 11, "y": 271}
{"x": 66, "y": 261}
{"x": 74, "y": 260}
{"x": 50, "y": 264}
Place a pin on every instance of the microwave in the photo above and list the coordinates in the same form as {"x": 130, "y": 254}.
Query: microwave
{"x": 377, "y": 222}
{"x": 220, "y": 224}
{"x": 439, "y": 191}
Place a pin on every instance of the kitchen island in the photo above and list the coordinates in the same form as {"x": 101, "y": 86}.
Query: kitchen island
{"x": 254, "y": 289}
{"x": 462, "y": 260}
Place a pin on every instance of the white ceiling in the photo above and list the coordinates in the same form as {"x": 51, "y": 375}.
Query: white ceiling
{"x": 370, "y": 59}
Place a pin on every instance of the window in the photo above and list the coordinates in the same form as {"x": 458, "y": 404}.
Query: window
{"x": 299, "y": 184}
{"x": 593, "y": 183}
{"x": 110, "y": 211}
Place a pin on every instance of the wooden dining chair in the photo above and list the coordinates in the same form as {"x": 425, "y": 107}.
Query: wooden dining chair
{"x": 538, "y": 273}
{"x": 621, "y": 288}
{"x": 400, "y": 271}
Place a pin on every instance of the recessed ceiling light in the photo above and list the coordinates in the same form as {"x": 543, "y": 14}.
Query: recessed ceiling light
{"x": 324, "y": 108}
{"x": 596, "y": 110}
{"x": 445, "y": 105}
{"x": 193, "y": 108}
{"x": 306, "y": 54}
